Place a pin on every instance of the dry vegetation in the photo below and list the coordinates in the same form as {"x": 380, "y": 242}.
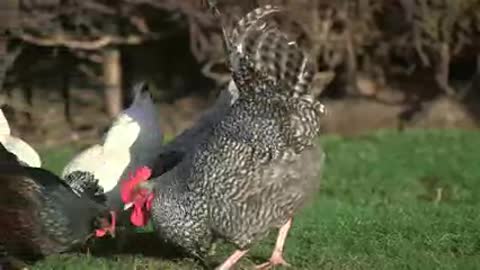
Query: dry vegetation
{"x": 363, "y": 47}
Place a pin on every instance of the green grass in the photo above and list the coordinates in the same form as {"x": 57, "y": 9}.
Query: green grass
{"x": 389, "y": 201}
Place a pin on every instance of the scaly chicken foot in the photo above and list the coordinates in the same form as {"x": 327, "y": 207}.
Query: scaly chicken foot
{"x": 232, "y": 260}
{"x": 277, "y": 254}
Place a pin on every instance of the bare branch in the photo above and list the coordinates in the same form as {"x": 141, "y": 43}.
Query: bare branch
{"x": 220, "y": 78}
{"x": 95, "y": 44}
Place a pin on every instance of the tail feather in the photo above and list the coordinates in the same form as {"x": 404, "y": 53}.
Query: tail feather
{"x": 267, "y": 52}
{"x": 82, "y": 182}
{"x": 252, "y": 20}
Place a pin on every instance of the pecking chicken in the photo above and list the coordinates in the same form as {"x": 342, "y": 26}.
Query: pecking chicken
{"x": 233, "y": 184}
{"x": 134, "y": 139}
{"x": 25, "y": 153}
{"x": 41, "y": 215}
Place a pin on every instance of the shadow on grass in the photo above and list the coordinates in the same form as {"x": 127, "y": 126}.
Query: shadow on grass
{"x": 146, "y": 244}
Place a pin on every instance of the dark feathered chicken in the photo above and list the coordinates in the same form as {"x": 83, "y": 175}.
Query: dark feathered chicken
{"x": 233, "y": 184}
{"x": 173, "y": 152}
{"x": 41, "y": 215}
{"x": 8, "y": 158}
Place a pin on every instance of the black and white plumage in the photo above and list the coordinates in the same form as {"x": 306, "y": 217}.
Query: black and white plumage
{"x": 41, "y": 215}
{"x": 6, "y": 157}
{"x": 134, "y": 139}
{"x": 174, "y": 151}
{"x": 24, "y": 152}
{"x": 233, "y": 184}
{"x": 86, "y": 183}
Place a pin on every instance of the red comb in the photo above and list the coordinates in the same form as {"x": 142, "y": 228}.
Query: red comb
{"x": 142, "y": 174}
{"x": 100, "y": 233}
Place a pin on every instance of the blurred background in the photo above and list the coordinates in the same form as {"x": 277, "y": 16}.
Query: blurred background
{"x": 67, "y": 66}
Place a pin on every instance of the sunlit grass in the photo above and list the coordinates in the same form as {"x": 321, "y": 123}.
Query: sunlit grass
{"x": 389, "y": 201}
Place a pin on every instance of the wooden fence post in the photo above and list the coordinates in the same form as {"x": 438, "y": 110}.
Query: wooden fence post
{"x": 112, "y": 78}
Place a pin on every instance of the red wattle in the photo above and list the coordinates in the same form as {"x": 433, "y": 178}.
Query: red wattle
{"x": 138, "y": 218}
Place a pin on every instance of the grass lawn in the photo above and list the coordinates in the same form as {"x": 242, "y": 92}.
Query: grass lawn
{"x": 389, "y": 201}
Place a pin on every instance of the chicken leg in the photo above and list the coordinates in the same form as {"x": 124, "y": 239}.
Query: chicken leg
{"x": 277, "y": 254}
{"x": 232, "y": 260}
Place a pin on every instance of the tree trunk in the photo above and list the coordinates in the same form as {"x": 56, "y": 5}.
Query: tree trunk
{"x": 443, "y": 70}
{"x": 112, "y": 78}
{"x": 28, "y": 98}
{"x": 8, "y": 21}
{"x": 3, "y": 61}
{"x": 9, "y": 15}
{"x": 352, "y": 66}
{"x": 127, "y": 79}
{"x": 67, "y": 64}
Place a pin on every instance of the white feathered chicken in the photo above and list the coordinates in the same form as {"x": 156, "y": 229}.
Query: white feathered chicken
{"x": 25, "y": 153}
{"x": 133, "y": 140}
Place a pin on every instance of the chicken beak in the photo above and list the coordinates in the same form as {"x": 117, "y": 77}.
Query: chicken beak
{"x": 127, "y": 206}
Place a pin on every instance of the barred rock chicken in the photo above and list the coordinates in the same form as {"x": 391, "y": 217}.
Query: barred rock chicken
{"x": 233, "y": 184}
{"x": 134, "y": 139}
{"x": 41, "y": 215}
{"x": 25, "y": 153}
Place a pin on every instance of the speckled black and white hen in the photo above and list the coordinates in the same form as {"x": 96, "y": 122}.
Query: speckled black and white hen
{"x": 41, "y": 215}
{"x": 233, "y": 184}
{"x": 309, "y": 164}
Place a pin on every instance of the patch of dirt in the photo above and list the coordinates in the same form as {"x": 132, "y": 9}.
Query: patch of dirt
{"x": 352, "y": 116}
{"x": 435, "y": 190}
{"x": 444, "y": 112}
